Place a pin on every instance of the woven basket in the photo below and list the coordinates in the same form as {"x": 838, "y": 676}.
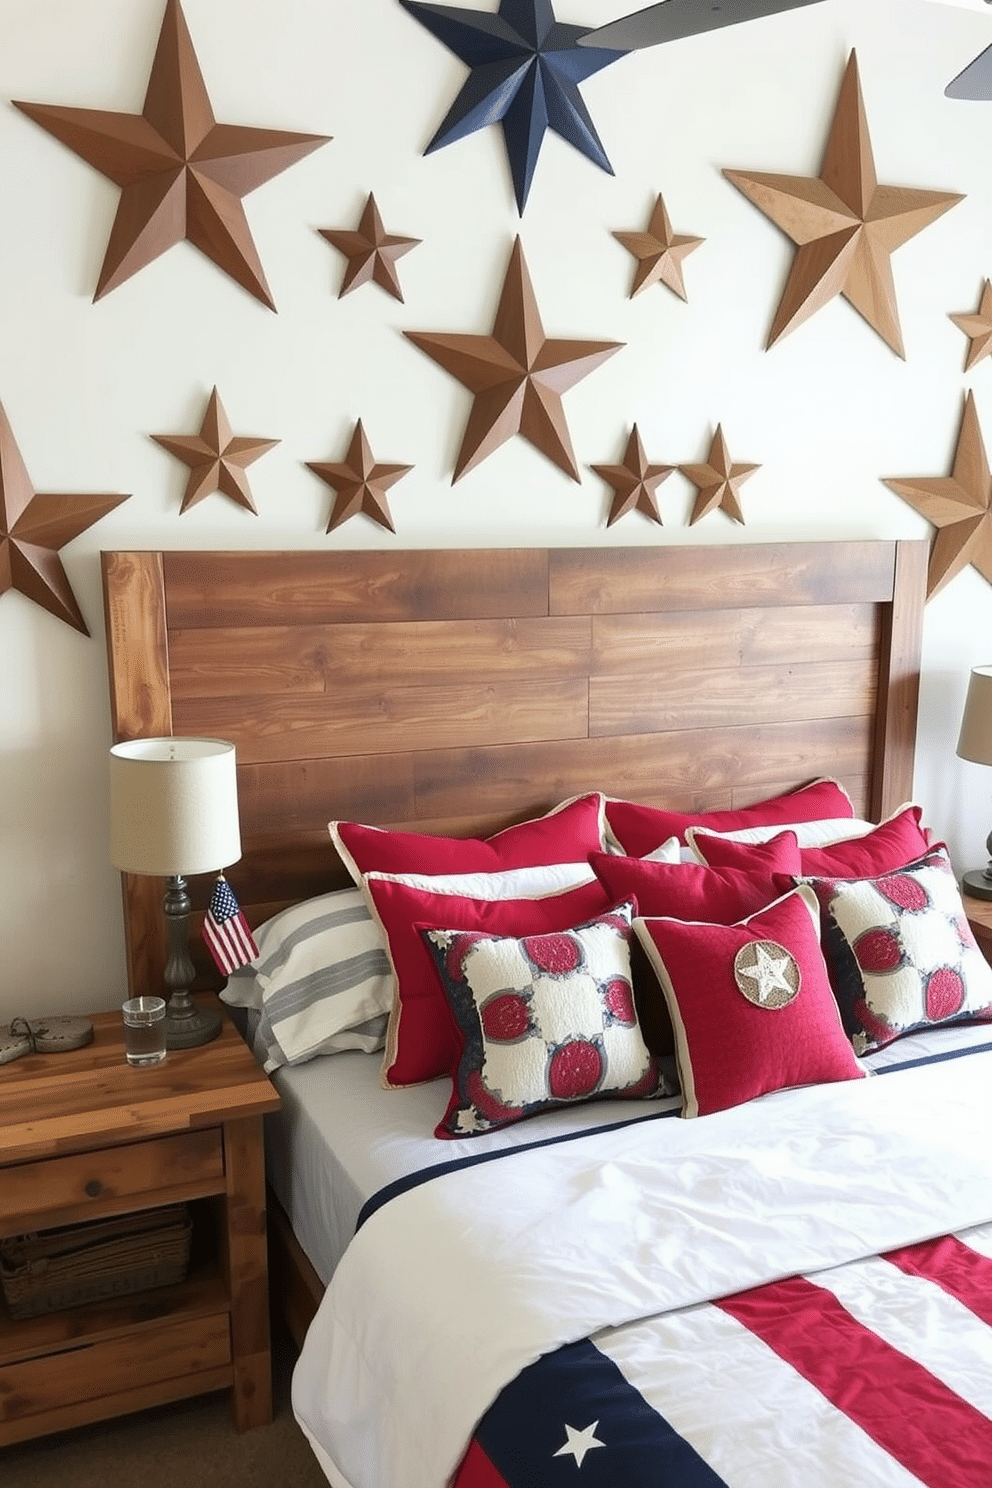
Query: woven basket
{"x": 75, "y": 1264}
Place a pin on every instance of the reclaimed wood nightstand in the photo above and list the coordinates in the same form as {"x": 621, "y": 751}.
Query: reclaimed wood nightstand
{"x": 83, "y": 1135}
{"x": 979, "y": 913}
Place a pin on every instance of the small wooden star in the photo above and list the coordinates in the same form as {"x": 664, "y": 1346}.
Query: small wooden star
{"x": 957, "y": 505}
{"x": 34, "y": 527}
{"x": 978, "y": 328}
{"x": 659, "y": 253}
{"x": 718, "y": 481}
{"x": 845, "y": 224}
{"x": 216, "y": 457}
{"x": 361, "y": 483}
{"x": 517, "y": 375}
{"x": 182, "y": 175}
{"x": 634, "y": 482}
{"x": 371, "y": 252}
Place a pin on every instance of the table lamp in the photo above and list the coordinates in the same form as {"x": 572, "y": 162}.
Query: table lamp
{"x": 173, "y": 813}
{"x": 975, "y": 743}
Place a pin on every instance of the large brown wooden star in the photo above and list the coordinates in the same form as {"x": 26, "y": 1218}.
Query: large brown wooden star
{"x": 32, "y": 530}
{"x": 517, "y": 374}
{"x": 635, "y": 482}
{"x": 978, "y": 328}
{"x": 718, "y": 481}
{"x": 182, "y": 175}
{"x": 659, "y": 253}
{"x": 371, "y": 252}
{"x": 845, "y": 224}
{"x": 361, "y": 483}
{"x": 216, "y": 457}
{"x": 957, "y": 505}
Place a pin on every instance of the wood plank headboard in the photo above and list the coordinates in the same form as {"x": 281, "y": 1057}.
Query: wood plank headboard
{"x": 459, "y": 691}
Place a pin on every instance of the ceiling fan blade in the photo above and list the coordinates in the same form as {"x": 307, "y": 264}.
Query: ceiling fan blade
{"x": 975, "y": 81}
{"x": 671, "y": 20}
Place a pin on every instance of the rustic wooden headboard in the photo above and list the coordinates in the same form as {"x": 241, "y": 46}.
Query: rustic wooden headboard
{"x": 459, "y": 691}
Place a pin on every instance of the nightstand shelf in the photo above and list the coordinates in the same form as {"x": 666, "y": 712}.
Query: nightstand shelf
{"x": 83, "y": 1135}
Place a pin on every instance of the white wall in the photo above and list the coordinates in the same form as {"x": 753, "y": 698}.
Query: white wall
{"x": 827, "y": 412}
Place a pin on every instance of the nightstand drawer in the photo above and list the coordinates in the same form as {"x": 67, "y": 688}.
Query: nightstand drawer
{"x": 38, "y": 1193}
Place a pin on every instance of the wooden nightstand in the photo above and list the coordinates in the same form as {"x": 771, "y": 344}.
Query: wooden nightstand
{"x": 84, "y": 1135}
{"x": 979, "y": 912}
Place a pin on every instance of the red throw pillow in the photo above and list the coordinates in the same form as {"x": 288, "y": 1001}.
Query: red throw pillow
{"x": 685, "y": 891}
{"x": 640, "y": 829}
{"x": 566, "y": 835}
{"x": 751, "y": 1004}
{"x": 422, "y": 1041}
{"x": 779, "y": 854}
{"x": 898, "y": 840}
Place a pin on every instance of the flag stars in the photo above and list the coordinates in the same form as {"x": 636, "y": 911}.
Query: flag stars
{"x": 578, "y": 1443}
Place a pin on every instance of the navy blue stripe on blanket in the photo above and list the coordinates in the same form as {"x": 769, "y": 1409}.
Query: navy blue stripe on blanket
{"x": 424, "y": 1175}
{"x": 574, "y": 1409}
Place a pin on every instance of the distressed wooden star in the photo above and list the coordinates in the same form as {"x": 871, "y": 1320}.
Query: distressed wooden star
{"x": 182, "y": 175}
{"x": 216, "y": 457}
{"x": 978, "y": 328}
{"x": 526, "y": 68}
{"x": 33, "y": 528}
{"x": 718, "y": 481}
{"x": 361, "y": 483}
{"x": 659, "y": 253}
{"x": 371, "y": 252}
{"x": 517, "y": 374}
{"x": 635, "y": 482}
{"x": 845, "y": 224}
{"x": 957, "y": 505}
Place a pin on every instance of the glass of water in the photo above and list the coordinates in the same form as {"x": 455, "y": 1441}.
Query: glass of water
{"x": 144, "y": 1030}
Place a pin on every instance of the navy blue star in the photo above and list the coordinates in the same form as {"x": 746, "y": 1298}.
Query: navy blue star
{"x": 526, "y": 70}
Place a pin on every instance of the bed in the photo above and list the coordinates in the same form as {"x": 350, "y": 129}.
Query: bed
{"x": 602, "y": 1291}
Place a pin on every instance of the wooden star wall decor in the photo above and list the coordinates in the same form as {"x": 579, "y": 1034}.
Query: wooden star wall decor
{"x": 978, "y": 328}
{"x": 361, "y": 483}
{"x": 659, "y": 253}
{"x": 371, "y": 252}
{"x": 718, "y": 481}
{"x": 33, "y": 529}
{"x": 182, "y": 175}
{"x": 216, "y": 457}
{"x": 635, "y": 482}
{"x": 957, "y": 505}
{"x": 846, "y": 226}
{"x": 517, "y": 375}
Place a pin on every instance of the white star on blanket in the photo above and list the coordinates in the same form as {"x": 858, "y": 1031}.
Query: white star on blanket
{"x": 579, "y": 1443}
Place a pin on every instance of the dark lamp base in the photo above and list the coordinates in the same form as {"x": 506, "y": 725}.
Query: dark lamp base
{"x": 978, "y": 884}
{"x": 189, "y": 1030}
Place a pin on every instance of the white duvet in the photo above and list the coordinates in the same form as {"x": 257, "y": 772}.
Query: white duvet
{"x": 453, "y": 1287}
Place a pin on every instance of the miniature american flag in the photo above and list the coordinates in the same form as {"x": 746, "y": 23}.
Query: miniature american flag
{"x": 225, "y": 930}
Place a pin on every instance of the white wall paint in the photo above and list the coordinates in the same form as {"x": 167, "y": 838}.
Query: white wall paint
{"x": 827, "y": 412}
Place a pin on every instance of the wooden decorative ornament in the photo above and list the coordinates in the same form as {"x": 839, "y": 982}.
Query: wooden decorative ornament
{"x": 659, "y": 253}
{"x": 978, "y": 328}
{"x": 517, "y": 375}
{"x": 361, "y": 483}
{"x": 845, "y": 224}
{"x": 957, "y": 505}
{"x": 216, "y": 458}
{"x": 371, "y": 252}
{"x": 718, "y": 481}
{"x": 33, "y": 528}
{"x": 182, "y": 175}
{"x": 635, "y": 482}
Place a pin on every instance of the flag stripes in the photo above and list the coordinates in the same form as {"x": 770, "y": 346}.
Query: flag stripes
{"x": 225, "y": 930}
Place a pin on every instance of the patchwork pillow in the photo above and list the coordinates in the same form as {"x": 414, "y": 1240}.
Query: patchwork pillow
{"x": 900, "y": 951}
{"x": 751, "y": 1004}
{"x": 546, "y": 1021}
{"x": 862, "y": 850}
{"x": 321, "y": 981}
{"x": 568, "y": 834}
{"x": 639, "y": 829}
{"x": 422, "y": 1040}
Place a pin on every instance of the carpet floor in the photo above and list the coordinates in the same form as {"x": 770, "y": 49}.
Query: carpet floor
{"x": 189, "y": 1444}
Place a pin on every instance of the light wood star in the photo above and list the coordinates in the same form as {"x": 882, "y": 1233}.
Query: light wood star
{"x": 634, "y": 482}
{"x": 216, "y": 457}
{"x": 718, "y": 481}
{"x": 517, "y": 374}
{"x": 33, "y": 528}
{"x": 957, "y": 505}
{"x": 182, "y": 175}
{"x": 845, "y": 224}
{"x": 978, "y": 328}
{"x": 371, "y": 252}
{"x": 361, "y": 483}
{"x": 659, "y": 253}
